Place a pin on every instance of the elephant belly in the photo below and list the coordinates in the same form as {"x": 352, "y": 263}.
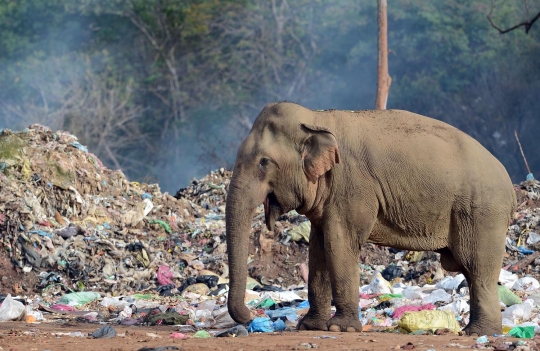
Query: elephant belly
{"x": 426, "y": 236}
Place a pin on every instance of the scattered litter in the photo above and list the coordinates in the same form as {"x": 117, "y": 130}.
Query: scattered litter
{"x": 104, "y": 332}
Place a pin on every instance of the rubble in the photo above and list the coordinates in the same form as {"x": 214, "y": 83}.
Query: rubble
{"x": 87, "y": 244}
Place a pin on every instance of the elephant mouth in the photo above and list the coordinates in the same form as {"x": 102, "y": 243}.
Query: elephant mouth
{"x": 272, "y": 210}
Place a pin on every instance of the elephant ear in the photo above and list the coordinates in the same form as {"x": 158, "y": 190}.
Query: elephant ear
{"x": 320, "y": 151}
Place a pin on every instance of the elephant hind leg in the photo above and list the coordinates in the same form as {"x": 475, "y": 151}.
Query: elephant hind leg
{"x": 478, "y": 246}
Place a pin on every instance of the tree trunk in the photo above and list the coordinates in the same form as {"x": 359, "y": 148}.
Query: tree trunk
{"x": 383, "y": 79}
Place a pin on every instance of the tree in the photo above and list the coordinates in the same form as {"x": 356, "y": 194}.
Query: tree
{"x": 384, "y": 80}
{"x": 528, "y": 23}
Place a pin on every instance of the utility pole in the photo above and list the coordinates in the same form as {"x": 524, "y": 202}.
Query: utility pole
{"x": 383, "y": 78}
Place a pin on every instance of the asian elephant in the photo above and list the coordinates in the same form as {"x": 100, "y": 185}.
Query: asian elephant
{"x": 392, "y": 178}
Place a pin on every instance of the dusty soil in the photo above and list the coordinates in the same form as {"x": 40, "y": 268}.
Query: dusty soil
{"x": 22, "y": 336}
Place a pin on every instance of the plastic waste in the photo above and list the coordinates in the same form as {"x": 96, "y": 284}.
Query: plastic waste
{"x": 519, "y": 312}
{"x": 125, "y": 313}
{"x": 303, "y": 304}
{"x": 391, "y": 272}
{"x": 159, "y": 348}
{"x": 169, "y": 318}
{"x": 266, "y": 303}
{"x": 522, "y": 332}
{"x": 164, "y": 275}
{"x": 238, "y": 331}
{"x": 450, "y": 283}
{"x": 288, "y": 312}
{"x": 261, "y": 324}
{"x": 279, "y": 325}
{"x": 104, "y": 332}
{"x": 378, "y": 285}
{"x": 412, "y": 292}
{"x": 79, "y": 298}
{"x": 222, "y": 319}
{"x": 482, "y": 340}
{"x": 458, "y": 307}
{"x": 533, "y": 238}
{"x": 114, "y": 302}
{"x": 177, "y": 335}
{"x": 507, "y": 296}
{"x": 202, "y": 334}
{"x": 526, "y": 283}
{"x": 301, "y": 231}
{"x": 428, "y": 320}
{"x": 438, "y": 296}
{"x": 398, "y": 312}
{"x": 11, "y": 310}
{"x": 61, "y": 307}
{"x": 507, "y": 278}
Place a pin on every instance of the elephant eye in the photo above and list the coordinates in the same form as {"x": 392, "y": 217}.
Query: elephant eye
{"x": 264, "y": 161}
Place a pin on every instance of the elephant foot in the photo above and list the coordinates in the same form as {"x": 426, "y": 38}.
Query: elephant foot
{"x": 312, "y": 323}
{"x": 480, "y": 328}
{"x": 344, "y": 324}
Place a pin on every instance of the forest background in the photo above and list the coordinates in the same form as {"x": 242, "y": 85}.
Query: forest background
{"x": 167, "y": 89}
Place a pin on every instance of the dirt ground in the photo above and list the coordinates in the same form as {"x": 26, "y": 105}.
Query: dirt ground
{"x": 38, "y": 337}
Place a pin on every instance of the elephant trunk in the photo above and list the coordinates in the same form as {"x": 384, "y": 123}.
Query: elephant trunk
{"x": 238, "y": 216}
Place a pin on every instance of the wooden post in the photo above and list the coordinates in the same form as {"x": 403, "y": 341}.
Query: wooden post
{"x": 383, "y": 80}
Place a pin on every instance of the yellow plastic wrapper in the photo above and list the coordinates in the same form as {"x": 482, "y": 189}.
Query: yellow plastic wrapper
{"x": 428, "y": 320}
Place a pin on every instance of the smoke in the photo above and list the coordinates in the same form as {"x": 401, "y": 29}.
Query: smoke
{"x": 104, "y": 83}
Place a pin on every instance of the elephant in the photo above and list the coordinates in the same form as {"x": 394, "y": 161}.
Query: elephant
{"x": 389, "y": 177}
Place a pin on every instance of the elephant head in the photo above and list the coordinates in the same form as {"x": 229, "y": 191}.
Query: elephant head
{"x": 280, "y": 164}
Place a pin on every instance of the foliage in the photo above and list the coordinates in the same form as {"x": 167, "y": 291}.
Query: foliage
{"x": 176, "y": 84}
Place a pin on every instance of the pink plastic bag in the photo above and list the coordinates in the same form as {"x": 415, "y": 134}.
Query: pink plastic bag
{"x": 398, "y": 312}
{"x": 178, "y": 336}
{"x": 60, "y": 307}
{"x": 164, "y": 275}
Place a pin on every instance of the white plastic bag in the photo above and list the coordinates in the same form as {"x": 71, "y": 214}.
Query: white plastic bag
{"x": 11, "y": 310}
{"x": 533, "y": 238}
{"x": 518, "y": 313}
{"x": 412, "y": 293}
{"x": 114, "y": 302}
{"x": 378, "y": 285}
{"x": 222, "y": 319}
{"x": 451, "y": 283}
{"x": 526, "y": 283}
{"x": 458, "y": 307}
{"x": 438, "y": 295}
{"x": 507, "y": 278}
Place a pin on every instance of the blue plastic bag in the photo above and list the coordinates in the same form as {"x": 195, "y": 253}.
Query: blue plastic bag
{"x": 288, "y": 312}
{"x": 303, "y": 304}
{"x": 261, "y": 324}
{"x": 279, "y": 325}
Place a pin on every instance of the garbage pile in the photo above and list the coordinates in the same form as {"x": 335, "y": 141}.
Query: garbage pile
{"x": 105, "y": 249}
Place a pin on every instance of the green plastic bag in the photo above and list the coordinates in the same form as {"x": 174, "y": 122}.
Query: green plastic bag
{"x": 202, "y": 334}
{"x": 507, "y": 296}
{"x": 266, "y": 303}
{"x": 142, "y": 296}
{"x": 522, "y": 332}
{"x": 79, "y": 298}
{"x": 390, "y": 296}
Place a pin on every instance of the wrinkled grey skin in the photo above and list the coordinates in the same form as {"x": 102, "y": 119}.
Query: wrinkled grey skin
{"x": 392, "y": 178}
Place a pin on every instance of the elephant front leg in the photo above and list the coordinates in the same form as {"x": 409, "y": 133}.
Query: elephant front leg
{"x": 345, "y": 278}
{"x": 319, "y": 290}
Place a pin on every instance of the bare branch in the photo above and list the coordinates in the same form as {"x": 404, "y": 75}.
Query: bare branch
{"x": 527, "y": 24}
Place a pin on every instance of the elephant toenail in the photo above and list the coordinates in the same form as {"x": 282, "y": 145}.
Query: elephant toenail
{"x": 334, "y": 328}
{"x": 351, "y": 329}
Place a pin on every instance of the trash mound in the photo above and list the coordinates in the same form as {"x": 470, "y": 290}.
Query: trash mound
{"x": 99, "y": 248}
{"x": 82, "y": 226}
